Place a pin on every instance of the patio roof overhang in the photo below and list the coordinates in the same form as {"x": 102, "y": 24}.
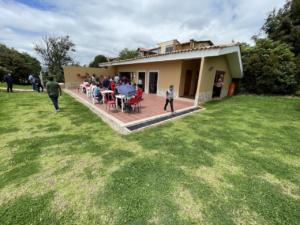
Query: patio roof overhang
{"x": 232, "y": 52}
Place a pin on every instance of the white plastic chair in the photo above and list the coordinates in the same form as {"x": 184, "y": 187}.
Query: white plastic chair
{"x": 89, "y": 91}
{"x": 94, "y": 97}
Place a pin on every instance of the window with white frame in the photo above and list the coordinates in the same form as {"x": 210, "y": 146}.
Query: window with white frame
{"x": 169, "y": 48}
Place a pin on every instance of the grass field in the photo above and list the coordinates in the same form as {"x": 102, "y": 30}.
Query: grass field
{"x": 16, "y": 86}
{"x": 237, "y": 162}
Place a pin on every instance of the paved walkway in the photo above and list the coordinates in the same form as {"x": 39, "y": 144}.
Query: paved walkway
{"x": 152, "y": 106}
{"x": 16, "y": 90}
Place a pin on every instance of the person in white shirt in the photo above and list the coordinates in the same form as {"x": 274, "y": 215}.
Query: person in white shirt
{"x": 117, "y": 79}
{"x": 140, "y": 81}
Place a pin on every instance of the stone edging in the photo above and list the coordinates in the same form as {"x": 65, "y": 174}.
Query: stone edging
{"x": 118, "y": 125}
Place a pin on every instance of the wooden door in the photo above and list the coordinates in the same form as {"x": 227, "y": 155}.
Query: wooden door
{"x": 188, "y": 81}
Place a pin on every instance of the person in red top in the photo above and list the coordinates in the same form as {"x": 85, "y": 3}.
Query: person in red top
{"x": 112, "y": 85}
{"x": 139, "y": 92}
{"x": 124, "y": 80}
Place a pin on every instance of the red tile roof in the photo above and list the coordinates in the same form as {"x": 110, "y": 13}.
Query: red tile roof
{"x": 111, "y": 57}
{"x": 178, "y": 51}
{"x": 147, "y": 50}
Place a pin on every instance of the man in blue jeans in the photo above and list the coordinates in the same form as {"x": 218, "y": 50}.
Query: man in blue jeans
{"x": 52, "y": 90}
{"x": 32, "y": 81}
{"x": 169, "y": 98}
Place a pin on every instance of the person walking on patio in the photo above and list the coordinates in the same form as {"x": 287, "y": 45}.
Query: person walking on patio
{"x": 9, "y": 81}
{"x": 52, "y": 90}
{"x": 169, "y": 98}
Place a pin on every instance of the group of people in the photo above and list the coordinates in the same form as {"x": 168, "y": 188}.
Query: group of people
{"x": 36, "y": 83}
{"x": 113, "y": 85}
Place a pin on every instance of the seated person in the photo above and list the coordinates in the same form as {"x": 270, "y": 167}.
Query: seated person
{"x": 112, "y": 85}
{"x": 116, "y": 91}
{"x": 139, "y": 92}
{"x": 97, "y": 93}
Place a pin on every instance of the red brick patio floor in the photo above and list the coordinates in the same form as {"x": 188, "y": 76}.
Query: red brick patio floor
{"x": 152, "y": 105}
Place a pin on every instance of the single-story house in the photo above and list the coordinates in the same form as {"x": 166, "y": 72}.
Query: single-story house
{"x": 192, "y": 71}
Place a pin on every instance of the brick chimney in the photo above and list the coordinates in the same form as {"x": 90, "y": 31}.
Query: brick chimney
{"x": 192, "y": 44}
{"x": 174, "y": 44}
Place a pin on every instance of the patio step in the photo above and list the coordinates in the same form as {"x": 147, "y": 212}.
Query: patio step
{"x": 161, "y": 119}
{"x": 186, "y": 99}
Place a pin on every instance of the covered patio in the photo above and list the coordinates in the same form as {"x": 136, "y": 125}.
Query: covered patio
{"x": 152, "y": 106}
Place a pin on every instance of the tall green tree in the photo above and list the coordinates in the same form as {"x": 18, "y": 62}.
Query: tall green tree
{"x": 127, "y": 54}
{"x": 269, "y": 67}
{"x": 56, "y": 52}
{"x": 98, "y": 59}
{"x": 284, "y": 25}
{"x": 20, "y": 63}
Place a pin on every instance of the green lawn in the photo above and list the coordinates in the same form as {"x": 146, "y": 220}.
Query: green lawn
{"x": 15, "y": 86}
{"x": 237, "y": 162}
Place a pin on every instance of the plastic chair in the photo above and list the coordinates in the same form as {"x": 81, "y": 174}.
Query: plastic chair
{"x": 133, "y": 102}
{"x": 89, "y": 91}
{"x": 94, "y": 97}
{"x": 109, "y": 103}
{"x": 112, "y": 95}
{"x": 80, "y": 87}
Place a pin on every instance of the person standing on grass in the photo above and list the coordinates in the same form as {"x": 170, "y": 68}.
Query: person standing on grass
{"x": 219, "y": 86}
{"x": 32, "y": 81}
{"x": 38, "y": 84}
{"x": 169, "y": 98}
{"x": 9, "y": 81}
{"x": 52, "y": 90}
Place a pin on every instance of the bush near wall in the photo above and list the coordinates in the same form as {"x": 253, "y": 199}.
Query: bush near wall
{"x": 270, "y": 67}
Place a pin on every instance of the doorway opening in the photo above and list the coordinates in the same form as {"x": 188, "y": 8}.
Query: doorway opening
{"x": 188, "y": 83}
{"x": 217, "y": 90}
{"x": 127, "y": 75}
{"x": 153, "y": 80}
{"x": 142, "y": 76}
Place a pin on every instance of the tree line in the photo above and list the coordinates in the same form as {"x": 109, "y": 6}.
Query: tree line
{"x": 20, "y": 63}
{"x": 272, "y": 65}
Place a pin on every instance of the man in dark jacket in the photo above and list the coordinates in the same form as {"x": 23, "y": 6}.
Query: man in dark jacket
{"x": 38, "y": 84}
{"x": 9, "y": 81}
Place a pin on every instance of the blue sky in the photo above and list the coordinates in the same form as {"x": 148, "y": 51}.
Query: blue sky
{"x": 106, "y": 27}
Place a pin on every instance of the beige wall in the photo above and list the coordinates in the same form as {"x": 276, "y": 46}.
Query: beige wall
{"x": 182, "y": 47}
{"x": 72, "y": 80}
{"x": 197, "y": 45}
{"x": 220, "y": 63}
{"x": 169, "y": 72}
{"x": 193, "y": 65}
{"x": 163, "y": 45}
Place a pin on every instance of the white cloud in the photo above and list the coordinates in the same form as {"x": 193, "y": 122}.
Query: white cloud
{"x": 106, "y": 27}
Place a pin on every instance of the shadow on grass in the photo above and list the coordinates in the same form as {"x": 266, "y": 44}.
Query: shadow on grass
{"x": 19, "y": 175}
{"x": 31, "y": 148}
{"x": 132, "y": 192}
{"x": 266, "y": 199}
{"x": 32, "y": 210}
